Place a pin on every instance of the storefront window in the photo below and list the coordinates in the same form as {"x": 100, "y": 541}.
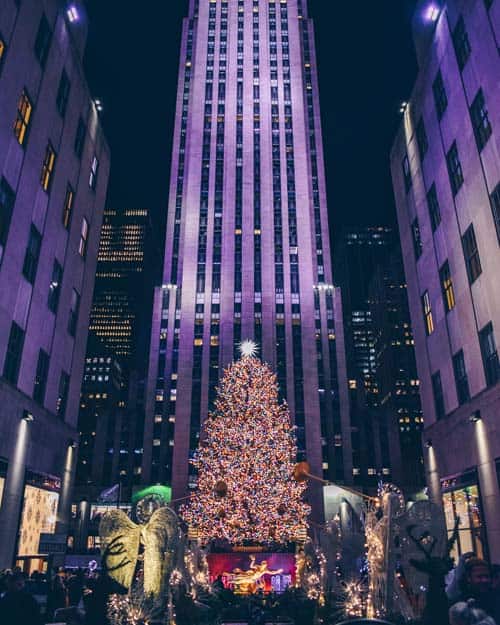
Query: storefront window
{"x": 463, "y": 501}
{"x": 39, "y": 515}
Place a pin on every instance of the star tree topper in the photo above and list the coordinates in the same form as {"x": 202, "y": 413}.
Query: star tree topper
{"x": 248, "y": 349}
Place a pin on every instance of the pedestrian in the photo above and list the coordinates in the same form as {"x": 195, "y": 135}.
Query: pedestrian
{"x": 477, "y": 585}
{"x": 466, "y": 613}
{"x": 17, "y": 606}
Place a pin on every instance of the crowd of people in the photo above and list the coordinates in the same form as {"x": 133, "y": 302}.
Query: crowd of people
{"x": 79, "y": 597}
{"x": 473, "y": 592}
{"x": 72, "y": 596}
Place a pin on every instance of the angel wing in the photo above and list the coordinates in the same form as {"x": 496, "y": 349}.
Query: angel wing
{"x": 121, "y": 539}
{"x": 160, "y": 537}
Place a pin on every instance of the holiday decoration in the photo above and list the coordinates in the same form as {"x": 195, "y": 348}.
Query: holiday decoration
{"x": 122, "y": 539}
{"x": 301, "y": 472}
{"x": 246, "y": 487}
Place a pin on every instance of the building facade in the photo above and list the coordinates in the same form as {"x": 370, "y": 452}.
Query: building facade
{"x": 247, "y": 250}
{"x": 446, "y": 173}
{"x": 54, "y": 164}
{"x": 396, "y": 374}
{"x": 122, "y": 277}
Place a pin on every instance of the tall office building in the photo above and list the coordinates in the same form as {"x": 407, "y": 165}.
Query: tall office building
{"x": 395, "y": 370}
{"x": 54, "y": 165}
{"x": 247, "y": 251}
{"x": 446, "y": 174}
{"x": 120, "y": 297}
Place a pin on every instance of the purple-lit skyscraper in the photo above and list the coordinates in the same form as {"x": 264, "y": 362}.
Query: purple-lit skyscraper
{"x": 247, "y": 247}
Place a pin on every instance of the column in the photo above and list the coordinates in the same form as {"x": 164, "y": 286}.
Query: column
{"x": 10, "y": 510}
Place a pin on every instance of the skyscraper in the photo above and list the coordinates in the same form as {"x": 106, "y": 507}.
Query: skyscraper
{"x": 54, "y": 165}
{"x": 446, "y": 175}
{"x": 118, "y": 305}
{"x": 247, "y": 251}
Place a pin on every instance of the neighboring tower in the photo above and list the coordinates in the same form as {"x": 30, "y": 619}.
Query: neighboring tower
{"x": 119, "y": 304}
{"x": 446, "y": 174}
{"x": 396, "y": 370}
{"x": 111, "y": 419}
{"x": 54, "y": 164}
{"x": 247, "y": 249}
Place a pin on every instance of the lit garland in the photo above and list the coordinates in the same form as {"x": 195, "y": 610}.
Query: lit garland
{"x": 129, "y": 610}
{"x": 245, "y": 463}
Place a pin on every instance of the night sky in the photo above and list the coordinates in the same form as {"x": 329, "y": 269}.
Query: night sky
{"x": 366, "y": 68}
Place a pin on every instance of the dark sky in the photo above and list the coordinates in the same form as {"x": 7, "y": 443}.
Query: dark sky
{"x": 366, "y": 66}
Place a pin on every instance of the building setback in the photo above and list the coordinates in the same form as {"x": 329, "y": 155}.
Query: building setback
{"x": 446, "y": 173}
{"x": 247, "y": 251}
{"x": 54, "y": 164}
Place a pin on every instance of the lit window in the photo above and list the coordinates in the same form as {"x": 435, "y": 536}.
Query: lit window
{"x": 48, "y": 167}
{"x": 427, "y": 310}
{"x": 84, "y": 236}
{"x": 23, "y": 118}
{"x": 94, "y": 169}
{"x": 3, "y": 49}
{"x": 68, "y": 206}
{"x": 447, "y": 287}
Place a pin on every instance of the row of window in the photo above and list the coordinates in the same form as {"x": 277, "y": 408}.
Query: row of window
{"x": 12, "y": 365}
{"x": 491, "y": 371}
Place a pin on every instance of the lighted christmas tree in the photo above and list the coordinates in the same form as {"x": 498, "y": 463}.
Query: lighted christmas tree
{"x": 246, "y": 489}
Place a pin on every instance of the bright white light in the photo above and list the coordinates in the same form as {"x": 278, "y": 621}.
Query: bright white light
{"x": 98, "y": 105}
{"x": 432, "y": 13}
{"x": 72, "y": 13}
{"x": 248, "y": 348}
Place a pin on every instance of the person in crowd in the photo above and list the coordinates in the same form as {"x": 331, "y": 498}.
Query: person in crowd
{"x": 456, "y": 577}
{"x": 466, "y": 613}
{"x": 17, "y": 606}
{"x": 477, "y": 584}
{"x": 57, "y": 596}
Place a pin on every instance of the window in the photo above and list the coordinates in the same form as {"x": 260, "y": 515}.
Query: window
{"x": 68, "y": 206}
{"x": 94, "y": 169}
{"x": 440, "y": 97}
{"x": 3, "y": 50}
{"x": 489, "y": 353}
{"x": 407, "y": 173}
{"x": 14, "y": 353}
{"x": 461, "y": 381}
{"x": 461, "y": 500}
{"x": 42, "y": 41}
{"x": 73, "y": 312}
{"x": 42, "y": 371}
{"x": 81, "y": 131}
{"x": 454, "y": 169}
{"x": 32, "y": 255}
{"x": 23, "y": 118}
{"x": 417, "y": 241}
{"x": 437, "y": 389}
{"x": 495, "y": 208}
{"x": 84, "y": 236}
{"x": 471, "y": 254}
{"x": 63, "y": 93}
{"x": 62, "y": 396}
{"x": 480, "y": 120}
{"x": 427, "y": 310}
{"x": 422, "y": 141}
{"x": 48, "y": 167}
{"x": 55, "y": 287}
{"x": 447, "y": 287}
{"x": 433, "y": 205}
{"x": 7, "y": 199}
{"x": 461, "y": 43}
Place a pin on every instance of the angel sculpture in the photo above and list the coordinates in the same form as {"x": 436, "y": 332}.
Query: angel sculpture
{"x": 125, "y": 544}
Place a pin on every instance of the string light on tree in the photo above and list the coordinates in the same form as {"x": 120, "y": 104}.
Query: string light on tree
{"x": 246, "y": 490}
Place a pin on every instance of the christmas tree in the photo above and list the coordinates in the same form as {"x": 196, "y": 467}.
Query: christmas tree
{"x": 246, "y": 490}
